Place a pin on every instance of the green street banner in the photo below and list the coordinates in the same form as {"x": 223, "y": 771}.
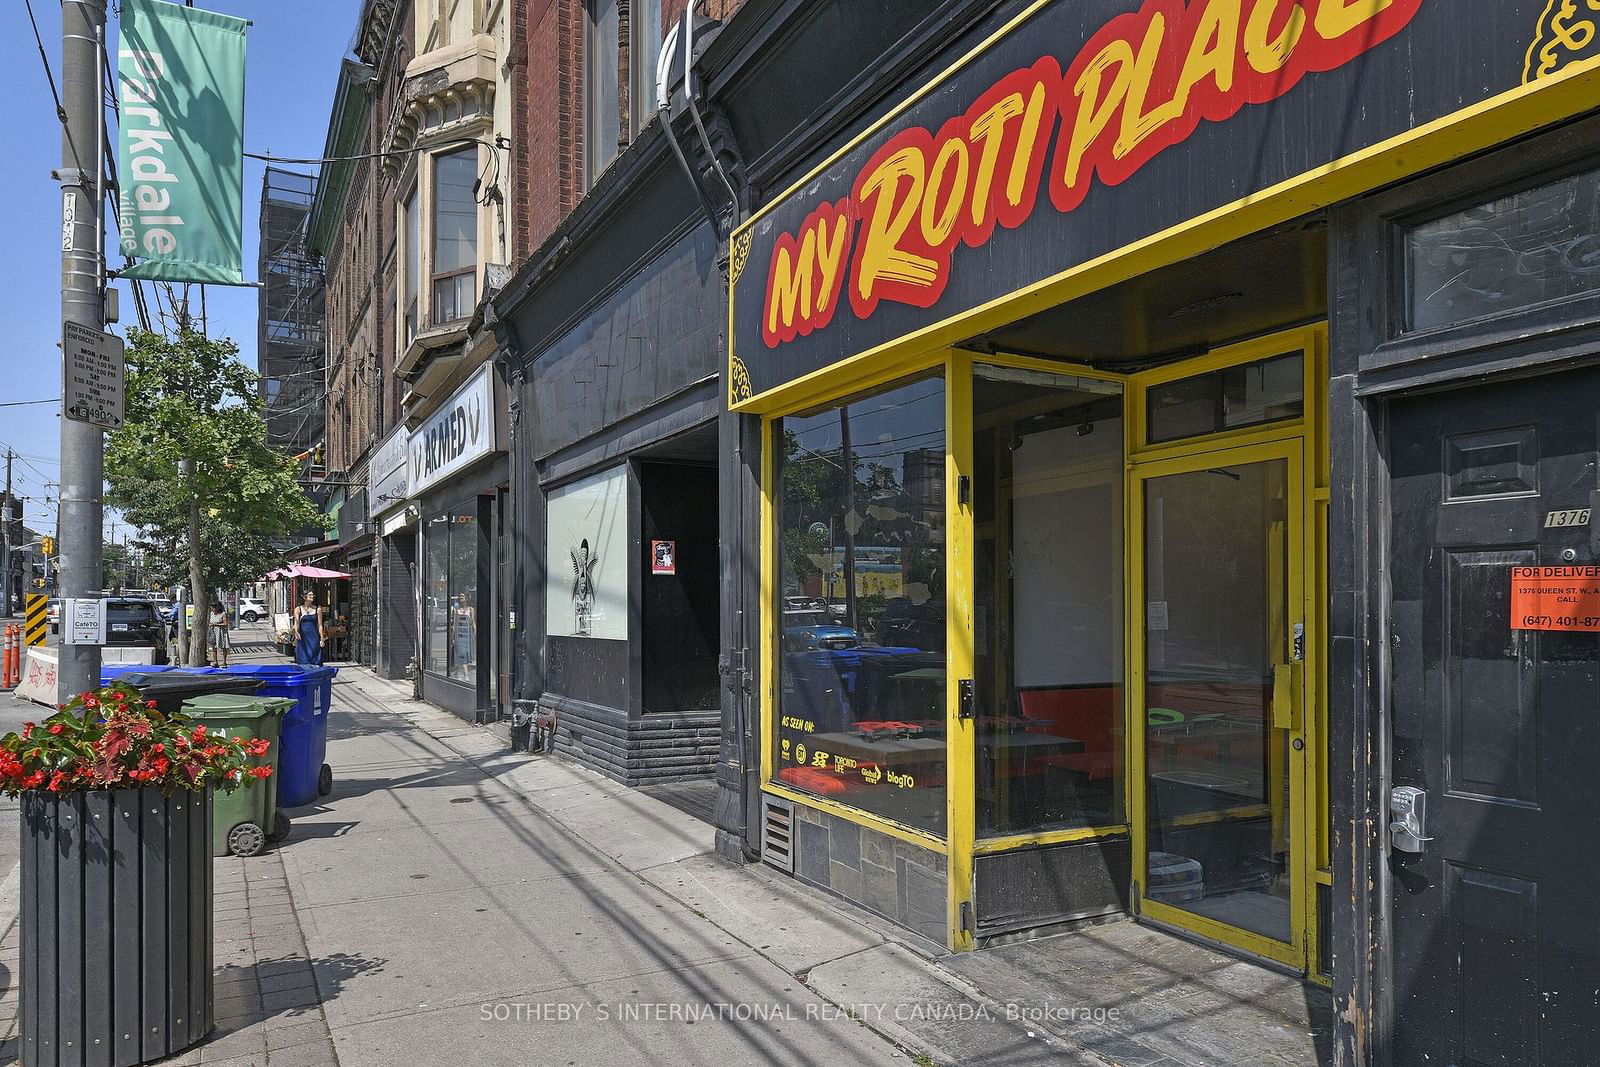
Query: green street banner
{"x": 180, "y": 161}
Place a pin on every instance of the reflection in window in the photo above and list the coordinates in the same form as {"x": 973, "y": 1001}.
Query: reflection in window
{"x": 464, "y": 596}
{"x": 1250, "y": 394}
{"x": 862, "y": 607}
{"x": 450, "y": 611}
{"x": 1048, "y": 608}
{"x": 1216, "y": 547}
{"x": 436, "y": 594}
{"x": 1531, "y": 247}
{"x": 604, "y": 134}
{"x": 455, "y": 235}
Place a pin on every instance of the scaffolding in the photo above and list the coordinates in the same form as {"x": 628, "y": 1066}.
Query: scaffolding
{"x": 291, "y": 341}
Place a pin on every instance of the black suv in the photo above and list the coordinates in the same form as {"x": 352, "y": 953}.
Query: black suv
{"x": 134, "y": 621}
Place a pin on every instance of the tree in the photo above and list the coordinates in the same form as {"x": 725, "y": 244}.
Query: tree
{"x": 192, "y": 469}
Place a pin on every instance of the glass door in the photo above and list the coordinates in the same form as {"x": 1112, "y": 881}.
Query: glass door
{"x": 1218, "y": 689}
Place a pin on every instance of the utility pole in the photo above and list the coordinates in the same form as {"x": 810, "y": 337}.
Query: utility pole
{"x": 5, "y": 547}
{"x": 83, "y": 27}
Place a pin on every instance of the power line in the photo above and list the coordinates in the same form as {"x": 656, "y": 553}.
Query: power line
{"x": 49, "y": 76}
{"x": 26, "y": 403}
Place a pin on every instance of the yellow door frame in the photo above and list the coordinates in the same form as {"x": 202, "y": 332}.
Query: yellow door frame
{"x": 1302, "y": 442}
{"x": 1290, "y": 451}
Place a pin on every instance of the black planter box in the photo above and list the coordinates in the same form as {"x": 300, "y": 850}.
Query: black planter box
{"x": 116, "y": 926}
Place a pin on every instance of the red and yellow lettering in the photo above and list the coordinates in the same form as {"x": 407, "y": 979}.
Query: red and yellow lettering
{"x": 1141, "y": 84}
{"x": 1179, "y": 63}
{"x": 1271, "y": 32}
{"x": 1088, "y": 112}
{"x": 888, "y": 195}
{"x": 804, "y": 276}
{"x": 1007, "y": 127}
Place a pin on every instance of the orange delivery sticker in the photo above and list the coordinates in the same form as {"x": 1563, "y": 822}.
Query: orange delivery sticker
{"x": 1555, "y": 598}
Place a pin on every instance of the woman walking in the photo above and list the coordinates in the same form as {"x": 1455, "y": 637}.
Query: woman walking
{"x": 308, "y": 632}
{"x": 219, "y": 641}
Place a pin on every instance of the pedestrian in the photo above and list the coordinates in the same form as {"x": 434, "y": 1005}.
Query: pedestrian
{"x": 217, "y": 629}
{"x": 308, "y": 632}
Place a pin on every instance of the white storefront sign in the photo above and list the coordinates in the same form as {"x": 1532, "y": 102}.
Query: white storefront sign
{"x": 456, "y": 436}
{"x": 390, "y": 472}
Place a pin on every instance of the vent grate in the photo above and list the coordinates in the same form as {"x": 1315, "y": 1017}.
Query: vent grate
{"x": 777, "y": 834}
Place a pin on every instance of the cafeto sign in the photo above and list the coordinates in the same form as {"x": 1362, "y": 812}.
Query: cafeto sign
{"x": 1128, "y": 119}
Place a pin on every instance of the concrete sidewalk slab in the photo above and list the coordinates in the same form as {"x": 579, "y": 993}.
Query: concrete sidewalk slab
{"x": 897, "y": 993}
{"x": 681, "y": 1017}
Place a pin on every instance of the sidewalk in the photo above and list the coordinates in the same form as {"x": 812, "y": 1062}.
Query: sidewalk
{"x": 453, "y": 903}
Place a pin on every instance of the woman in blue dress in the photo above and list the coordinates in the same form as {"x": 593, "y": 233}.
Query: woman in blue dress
{"x": 308, "y": 632}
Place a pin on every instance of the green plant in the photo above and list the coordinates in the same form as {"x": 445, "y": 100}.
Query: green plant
{"x": 112, "y": 739}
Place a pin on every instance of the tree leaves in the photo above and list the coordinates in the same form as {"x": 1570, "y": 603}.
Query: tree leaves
{"x": 190, "y": 397}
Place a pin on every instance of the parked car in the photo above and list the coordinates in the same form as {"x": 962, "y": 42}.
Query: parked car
{"x": 132, "y": 622}
{"x": 251, "y": 609}
{"x": 812, "y": 630}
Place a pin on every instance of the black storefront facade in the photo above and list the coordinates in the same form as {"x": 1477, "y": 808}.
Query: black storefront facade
{"x": 1165, "y": 458}
{"x": 394, "y": 523}
{"x": 458, "y": 482}
{"x": 612, "y": 337}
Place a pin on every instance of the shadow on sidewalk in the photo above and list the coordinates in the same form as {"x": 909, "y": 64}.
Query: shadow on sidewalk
{"x": 286, "y": 988}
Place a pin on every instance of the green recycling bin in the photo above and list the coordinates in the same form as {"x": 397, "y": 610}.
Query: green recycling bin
{"x": 247, "y": 818}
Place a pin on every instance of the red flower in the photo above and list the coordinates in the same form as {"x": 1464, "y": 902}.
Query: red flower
{"x": 56, "y": 779}
{"x": 150, "y": 703}
{"x": 27, "y": 730}
{"x": 199, "y": 733}
{"x": 56, "y": 728}
{"x": 158, "y": 747}
{"x": 261, "y": 772}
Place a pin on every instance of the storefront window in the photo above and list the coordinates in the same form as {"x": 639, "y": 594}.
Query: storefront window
{"x": 861, "y": 539}
{"x": 436, "y": 594}
{"x": 450, "y": 610}
{"x": 464, "y": 597}
{"x": 1250, "y": 394}
{"x": 1047, "y": 625}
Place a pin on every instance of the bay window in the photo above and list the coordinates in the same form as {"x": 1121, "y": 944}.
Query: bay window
{"x": 455, "y": 236}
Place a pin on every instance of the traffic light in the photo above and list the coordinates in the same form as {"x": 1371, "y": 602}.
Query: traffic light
{"x": 49, "y": 545}
{"x": 38, "y": 583}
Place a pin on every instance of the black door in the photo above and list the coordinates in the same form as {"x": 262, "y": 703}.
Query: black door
{"x": 1497, "y": 920}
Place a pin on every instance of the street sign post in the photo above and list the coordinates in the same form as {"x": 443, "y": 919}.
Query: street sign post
{"x": 92, "y": 375}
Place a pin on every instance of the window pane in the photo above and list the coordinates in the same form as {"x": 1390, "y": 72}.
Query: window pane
{"x": 1048, "y": 631}
{"x": 1250, "y": 394}
{"x": 413, "y": 261}
{"x": 1532, "y": 247}
{"x": 644, "y": 40}
{"x": 454, "y": 298}
{"x": 455, "y": 212}
{"x": 862, "y": 607}
{"x": 436, "y": 593}
{"x": 600, "y": 77}
{"x": 464, "y": 596}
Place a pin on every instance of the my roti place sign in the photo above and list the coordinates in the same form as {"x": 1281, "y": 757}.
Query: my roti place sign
{"x": 1084, "y": 104}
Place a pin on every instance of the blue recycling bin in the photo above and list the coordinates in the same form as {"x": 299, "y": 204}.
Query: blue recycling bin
{"x": 303, "y": 741}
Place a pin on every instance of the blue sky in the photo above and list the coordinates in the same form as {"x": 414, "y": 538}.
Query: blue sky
{"x": 292, "y": 60}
